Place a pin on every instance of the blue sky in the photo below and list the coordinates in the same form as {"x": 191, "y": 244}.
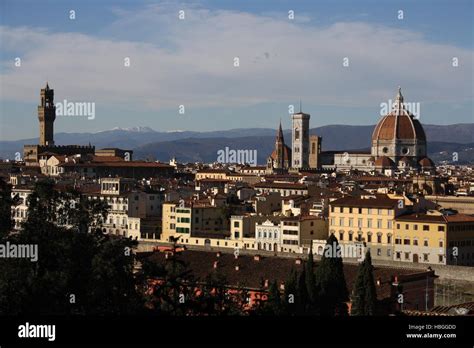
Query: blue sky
{"x": 190, "y": 62}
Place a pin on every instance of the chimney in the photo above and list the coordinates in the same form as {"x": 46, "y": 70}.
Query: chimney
{"x": 256, "y": 257}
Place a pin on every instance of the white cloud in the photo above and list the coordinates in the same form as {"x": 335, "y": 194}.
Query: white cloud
{"x": 190, "y": 62}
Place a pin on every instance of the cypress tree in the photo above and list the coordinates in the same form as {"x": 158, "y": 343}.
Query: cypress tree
{"x": 302, "y": 298}
{"x": 273, "y": 305}
{"x": 364, "y": 298}
{"x": 330, "y": 281}
{"x": 311, "y": 284}
{"x": 290, "y": 294}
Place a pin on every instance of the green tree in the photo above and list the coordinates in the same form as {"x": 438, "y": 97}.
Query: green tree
{"x": 312, "y": 301}
{"x": 75, "y": 273}
{"x": 364, "y": 296}
{"x": 6, "y": 201}
{"x": 273, "y": 305}
{"x": 330, "y": 281}
{"x": 291, "y": 291}
{"x": 302, "y": 297}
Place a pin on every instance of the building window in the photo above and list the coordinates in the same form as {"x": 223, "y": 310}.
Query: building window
{"x": 398, "y": 255}
{"x": 360, "y": 210}
{"x": 440, "y": 258}
{"x": 425, "y": 242}
{"x": 359, "y": 223}
{"x": 440, "y": 243}
{"x": 415, "y": 227}
{"x": 236, "y": 224}
{"x": 406, "y": 241}
{"x": 425, "y": 257}
{"x": 407, "y": 256}
{"x": 407, "y": 226}
{"x": 398, "y": 226}
{"x": 341, "y": 236}
{"x": 350, "y": 237}
{"x": 379, "y": 252}
{"x": 389, "y": 224}
{"x": 351, "y": 222}
{"x": 440, "y": 228}
{"x": 341, "y": 221}
{"x": 389, "y": 239}
{"x": 379, "y": 223}
{"x": 415, "y": 241}
{"x": 369, "y": 223}
{"x": 369, "y": 238}
{"x": 379, "y": 238}
{"x": 426, "y": 227}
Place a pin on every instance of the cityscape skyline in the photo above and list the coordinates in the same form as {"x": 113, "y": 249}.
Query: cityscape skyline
{"x": 294, "y": 162}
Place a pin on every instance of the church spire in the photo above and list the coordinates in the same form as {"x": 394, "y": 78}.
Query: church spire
{"x": 280, "y": 133}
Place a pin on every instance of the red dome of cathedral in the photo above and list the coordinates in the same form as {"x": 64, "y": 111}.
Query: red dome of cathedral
{"x": 384, "y": 162}
{"x": 426, "y": 162}
{"x": 398, "y": 124}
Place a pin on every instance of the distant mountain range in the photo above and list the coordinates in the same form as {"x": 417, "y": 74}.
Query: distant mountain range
{"x": 189, "y": 146}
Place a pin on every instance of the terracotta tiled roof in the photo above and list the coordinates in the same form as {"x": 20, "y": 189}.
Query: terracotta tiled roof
{"x": 377, "y": 202}
{"x": 426, "y": 162}
{"x": 384, "y": 162}
{"x": 416, "y": 217}
{"x": 457, "y": 309}
{"x": 281, "y": 185}
{"x": 135, "y": 164}
{"x": 392, "y": 127}
{"x": 252, "y": 273}
{"x": 399, "y": 123}
{"x": 213, "y": 171}
{"x": 107, "y": 159}
{"x": 286, "y": 154}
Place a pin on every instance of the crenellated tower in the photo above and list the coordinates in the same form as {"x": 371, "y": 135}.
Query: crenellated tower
{"x": 46, "y": 116}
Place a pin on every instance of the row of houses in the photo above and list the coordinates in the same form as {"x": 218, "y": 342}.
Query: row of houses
{"x": 282, "y": 217}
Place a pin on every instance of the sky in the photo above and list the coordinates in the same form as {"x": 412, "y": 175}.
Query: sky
{"x": 341, "y": 59}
